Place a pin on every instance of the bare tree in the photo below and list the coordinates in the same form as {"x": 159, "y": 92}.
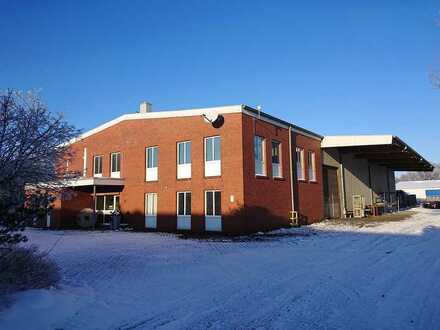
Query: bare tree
{"x": 419, "y": 176}
{"x": 33, "y": 151}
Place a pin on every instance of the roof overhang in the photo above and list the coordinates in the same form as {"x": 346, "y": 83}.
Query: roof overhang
{"x": 385, "y": 150}
{"x": 84, "y": 182}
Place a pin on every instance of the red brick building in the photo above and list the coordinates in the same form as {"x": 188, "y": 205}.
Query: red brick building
{"x": 231, "y": 169}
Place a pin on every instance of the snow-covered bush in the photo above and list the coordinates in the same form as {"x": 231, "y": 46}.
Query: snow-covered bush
{"x": 25, "y": 268}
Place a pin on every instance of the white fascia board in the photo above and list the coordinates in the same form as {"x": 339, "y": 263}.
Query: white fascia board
{"x": 159, "y": 114}
{"x": 355, "y": 140}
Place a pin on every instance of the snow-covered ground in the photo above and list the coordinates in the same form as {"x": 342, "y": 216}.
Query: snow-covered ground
{"x": 316, "y": 277}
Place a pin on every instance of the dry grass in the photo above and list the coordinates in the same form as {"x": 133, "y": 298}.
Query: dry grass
{"x": 373, "y": 221}
{"x": 24, "y": 268}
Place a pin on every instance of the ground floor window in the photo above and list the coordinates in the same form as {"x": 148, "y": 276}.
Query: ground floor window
{"x": 184, "y": 203}
{"x": 213, "y": 203}
{"x": 105, "y": 205}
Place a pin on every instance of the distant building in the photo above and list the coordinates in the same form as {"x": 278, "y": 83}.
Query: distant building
{"x": 425, "y": 189}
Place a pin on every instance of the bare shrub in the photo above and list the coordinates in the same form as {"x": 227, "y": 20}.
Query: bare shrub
{"x": 24, "y": 268}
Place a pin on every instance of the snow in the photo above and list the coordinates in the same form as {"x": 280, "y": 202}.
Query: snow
{"x": 322, "y": 276}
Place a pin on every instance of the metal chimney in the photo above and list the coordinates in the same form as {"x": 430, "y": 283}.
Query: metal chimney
{"x": 145, "y": 107}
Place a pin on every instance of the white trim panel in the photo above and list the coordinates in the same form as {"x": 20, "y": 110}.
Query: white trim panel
{"x": 213, "y": 223}
{"x": 152, "y": 174}
{"x": 184, "y": 171}
{"x": 213, "y": 168}
{"x": 184, "y": 222}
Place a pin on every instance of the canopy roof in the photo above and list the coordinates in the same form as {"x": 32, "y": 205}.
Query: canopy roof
{"x": 386, "y": 150}
{"x": 83, "y": 182}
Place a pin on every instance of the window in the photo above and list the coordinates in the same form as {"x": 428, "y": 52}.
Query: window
{"x": 276, "y": 159}
{"x": 213, "y": 203}
{"x": 152, "y": 158}
{"x": 151, "y": 210}
{"x": 300, "y": 170}
{"x": 85, "y": 162}
{"x": 184, "y": 160}
{"x": 184, "y": 203}
{"x": 115, "y": 164}
{"x": 260, "y": 155}
{"x": 212, "y": 156}
{"x": 184, "y": 152}
{"x": 151, "y": 204}
{"x": 312, "y": 167}
{"x": 97, "y": 166}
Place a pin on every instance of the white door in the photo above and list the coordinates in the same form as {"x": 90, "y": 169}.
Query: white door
{"x": 213, "y": 218}
{"x": 151, "y": 210}
{"x": 184, "y": 210}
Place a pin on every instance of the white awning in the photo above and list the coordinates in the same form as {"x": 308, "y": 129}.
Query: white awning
{"x": 83, "y": 182}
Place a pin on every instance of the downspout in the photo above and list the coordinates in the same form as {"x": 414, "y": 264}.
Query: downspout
{"x": 344, "y": 205}
{"x": 291, "y": 171}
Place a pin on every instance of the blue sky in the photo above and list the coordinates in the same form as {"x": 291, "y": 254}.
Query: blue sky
{"x": 334, "y": 67}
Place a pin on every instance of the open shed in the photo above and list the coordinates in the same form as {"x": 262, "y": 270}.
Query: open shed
{"x": 361, "y": 168}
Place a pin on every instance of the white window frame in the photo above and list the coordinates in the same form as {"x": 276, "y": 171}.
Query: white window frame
{"x": 213, "y": 222}
{"x": 184, "y": 220}
{"x": 115, "y": 174}
{"x": 260, "y": 162}
{"x": 95, "y": 174}
{"x": 212, "y": 167}
{"x": 184, "y": 166}
{"x": 300, "y": 164}
{"x": 151, "y": 210}
{"x": 152, "y": 173}
{"x": 311, "y": 161}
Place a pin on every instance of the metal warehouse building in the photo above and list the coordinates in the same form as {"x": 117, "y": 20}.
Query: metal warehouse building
{"x": 427, "y": 189}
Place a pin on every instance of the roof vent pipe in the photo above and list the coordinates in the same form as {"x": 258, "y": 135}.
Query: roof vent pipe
{"x": 145, "y": 107}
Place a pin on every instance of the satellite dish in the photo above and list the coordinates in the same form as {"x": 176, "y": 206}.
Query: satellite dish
{"x": 214, "y": 119}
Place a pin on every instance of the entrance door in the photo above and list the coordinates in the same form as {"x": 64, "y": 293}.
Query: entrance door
{"x": 105, "y": 205}
{"x": 151, "y": 210}
{"x": 332, "y": 205}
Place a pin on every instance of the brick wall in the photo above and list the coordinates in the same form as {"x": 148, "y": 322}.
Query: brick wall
{"x": 131, "y": 137}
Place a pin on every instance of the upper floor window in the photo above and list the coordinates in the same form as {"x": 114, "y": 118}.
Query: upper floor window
{"x": 312, "y": 166}
{"x": 115, "y": 164}
{"x": 300, "y": 169}
{"x": 152, "y": 154}
{"x": 212, "y": 156}
{"x": 276, "y": 159}
{"x": 260, "y": 155}
{"x": 97, "y": 166}
{"x": 184, "y": 160}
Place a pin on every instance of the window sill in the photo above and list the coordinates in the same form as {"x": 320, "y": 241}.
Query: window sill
{"x": 313, "y": 181}
{"x": 260, "y": 176}
{"x": 183, "y": 179}
{"x": 302, "y": 180}
{"x": 212, "y": 176}
{"x": 279, "y": 178}
{"x": 151, "y": 181}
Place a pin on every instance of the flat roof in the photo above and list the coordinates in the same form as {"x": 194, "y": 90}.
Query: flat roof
{"x": 386, "y": 150}
{"x": 241, "y": 108}
{"x": 83, "y": 182}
